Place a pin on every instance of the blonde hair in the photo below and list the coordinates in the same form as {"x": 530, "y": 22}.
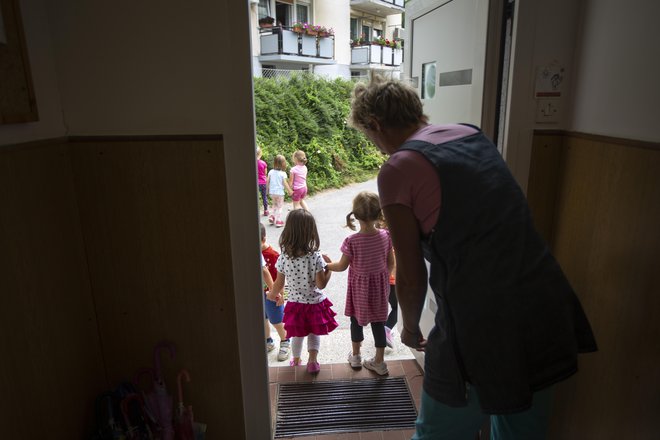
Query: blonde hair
{"x": 300, "y": 235}
{"x": 279, "y": 163}
{"x": 299, "y": 156}
{"x": 258, "y": 151}
{"x": 390, "y": 102}
{"x": 366, "y": 207}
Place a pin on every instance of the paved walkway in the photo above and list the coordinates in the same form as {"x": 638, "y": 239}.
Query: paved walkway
{"x": 330, "y": 209}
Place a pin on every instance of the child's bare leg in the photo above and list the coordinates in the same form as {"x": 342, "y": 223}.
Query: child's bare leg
{"x": 380, "y": 355}
{"x": 296, "y": 205}
{"x": 303, "y": 204}
{"x": 280, "y": 331}
{"x": 356, "y": 347}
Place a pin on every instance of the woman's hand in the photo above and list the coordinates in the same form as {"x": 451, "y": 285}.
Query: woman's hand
{"x": 413, "y": 339}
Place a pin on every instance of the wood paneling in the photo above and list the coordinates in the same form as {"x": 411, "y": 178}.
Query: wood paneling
{"x": 543, "y": 180}
{"x": 154, "y": 221}
{"x": 51, "y": 365}
{"x": 607, "y": 239}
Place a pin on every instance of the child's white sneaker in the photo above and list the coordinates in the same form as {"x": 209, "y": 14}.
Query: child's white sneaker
{"x": 270, "y": 345}
{"x": 380, "y": 369}
{"x": 283, "y": 354}
{"x": 355, "y": 361}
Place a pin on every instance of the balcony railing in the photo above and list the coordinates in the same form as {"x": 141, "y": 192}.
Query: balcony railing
{"x": 376, "y": 54}
{"x": 283, "y": 41}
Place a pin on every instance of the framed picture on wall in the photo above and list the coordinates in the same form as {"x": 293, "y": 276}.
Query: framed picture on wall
{"x": 17, "y": 100}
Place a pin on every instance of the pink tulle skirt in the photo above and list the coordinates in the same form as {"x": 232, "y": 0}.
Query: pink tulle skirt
{"x": 302, "y": 319}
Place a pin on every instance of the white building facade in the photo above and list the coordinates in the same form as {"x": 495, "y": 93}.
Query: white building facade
{"x": 354, "y": 36}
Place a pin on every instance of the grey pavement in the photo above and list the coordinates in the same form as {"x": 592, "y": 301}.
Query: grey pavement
{"x": 330, "y": 209}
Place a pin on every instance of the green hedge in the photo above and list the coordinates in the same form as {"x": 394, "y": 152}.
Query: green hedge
{"x": 309, "y": 113}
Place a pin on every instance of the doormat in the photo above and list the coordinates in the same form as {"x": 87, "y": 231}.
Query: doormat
{"x": 344, "y": 406}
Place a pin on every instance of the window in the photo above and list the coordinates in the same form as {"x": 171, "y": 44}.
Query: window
{"x": 366, "y": 32}
{"x": 378, "y": 33}
{"x": 302, "y": 13}
{"x": 355, "y": 34}
{"x": 283, "y": 13}
{"x": 428, "y": 80}
{"x": 264, "y": 9}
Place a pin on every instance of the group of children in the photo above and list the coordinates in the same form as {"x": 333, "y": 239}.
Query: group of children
{"x": 276, "y": 182}
{"x": 369, "y": 257}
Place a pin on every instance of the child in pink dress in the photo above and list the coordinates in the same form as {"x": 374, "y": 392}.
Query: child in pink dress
{"x": 298, "y": 180}
{"x": 262, "y": 168}
{"x": 369, "y": 256}
{"x": 307, "y": 312}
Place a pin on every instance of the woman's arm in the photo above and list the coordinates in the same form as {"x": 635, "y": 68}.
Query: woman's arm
{"x": 339, "y": 266}
{"x": 411, "y": 276}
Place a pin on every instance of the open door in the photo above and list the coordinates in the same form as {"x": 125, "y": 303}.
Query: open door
{"x": 447, "y": 52}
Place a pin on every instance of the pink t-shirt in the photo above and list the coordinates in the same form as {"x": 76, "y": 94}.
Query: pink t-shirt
{"x": 408, "y": 179}
{"x": 261, "y": 172}
{"x": 299, "y": 173}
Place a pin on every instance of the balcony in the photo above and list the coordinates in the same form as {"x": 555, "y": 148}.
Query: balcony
{"x": 380, "y": 8}
{"x": 374, "y": 55}
{"x": 282, "y": 44}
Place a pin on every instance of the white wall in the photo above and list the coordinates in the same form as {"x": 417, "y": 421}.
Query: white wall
{"x": 545, "y": 32}
{"x": 44, "y": 80}
{"x": 148, "y": 67}
{"x": 336, "y": 14}
{"x": 617, "y": 88}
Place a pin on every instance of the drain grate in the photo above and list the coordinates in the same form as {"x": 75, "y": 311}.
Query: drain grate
{"x": 344, "y": 406}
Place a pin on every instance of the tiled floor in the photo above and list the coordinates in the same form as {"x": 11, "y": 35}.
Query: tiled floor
{"x": 343, "y": 371}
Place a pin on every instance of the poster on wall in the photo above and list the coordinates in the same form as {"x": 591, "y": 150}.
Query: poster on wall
{"x": 549, "y": 81}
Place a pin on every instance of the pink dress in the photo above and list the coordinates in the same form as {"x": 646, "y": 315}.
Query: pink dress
{"x": 368, "y": 277}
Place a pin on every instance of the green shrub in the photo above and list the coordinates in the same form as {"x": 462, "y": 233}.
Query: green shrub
{"x": 309, "y": 113}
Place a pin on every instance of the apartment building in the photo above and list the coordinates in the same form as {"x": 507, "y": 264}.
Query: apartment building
{"x": 358, "y": 36}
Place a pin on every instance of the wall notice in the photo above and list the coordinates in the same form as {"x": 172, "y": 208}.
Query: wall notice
{"x": 549, "y": 81}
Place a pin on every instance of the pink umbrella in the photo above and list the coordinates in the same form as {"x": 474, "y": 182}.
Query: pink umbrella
{"x": 163, "y": 401}
{"x": 184, "y": 416}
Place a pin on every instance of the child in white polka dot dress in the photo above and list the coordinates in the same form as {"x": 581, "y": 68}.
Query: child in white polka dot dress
{"x": 308, "y": 311}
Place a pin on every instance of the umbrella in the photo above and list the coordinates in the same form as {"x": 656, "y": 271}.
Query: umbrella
{"x": 150, "y": 399}
{"x": 135, "y": 418}
{"x": 184, "y": 416}
{"x": 163, "y": 401}
{"x": 108, "y": 428}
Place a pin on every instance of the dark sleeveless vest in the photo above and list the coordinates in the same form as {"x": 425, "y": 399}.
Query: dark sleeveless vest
{"x": 508, "y": 322}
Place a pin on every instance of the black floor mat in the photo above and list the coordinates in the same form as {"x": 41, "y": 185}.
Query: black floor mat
{"x": 344, "y": 406}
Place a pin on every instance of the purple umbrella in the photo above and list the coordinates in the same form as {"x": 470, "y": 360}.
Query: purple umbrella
{"x": 163, "y": 401}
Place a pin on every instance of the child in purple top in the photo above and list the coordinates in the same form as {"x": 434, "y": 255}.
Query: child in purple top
{"x": 262, "y": 167}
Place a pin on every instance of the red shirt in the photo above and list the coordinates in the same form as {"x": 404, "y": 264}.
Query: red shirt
{"x": 271, "y": 256}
